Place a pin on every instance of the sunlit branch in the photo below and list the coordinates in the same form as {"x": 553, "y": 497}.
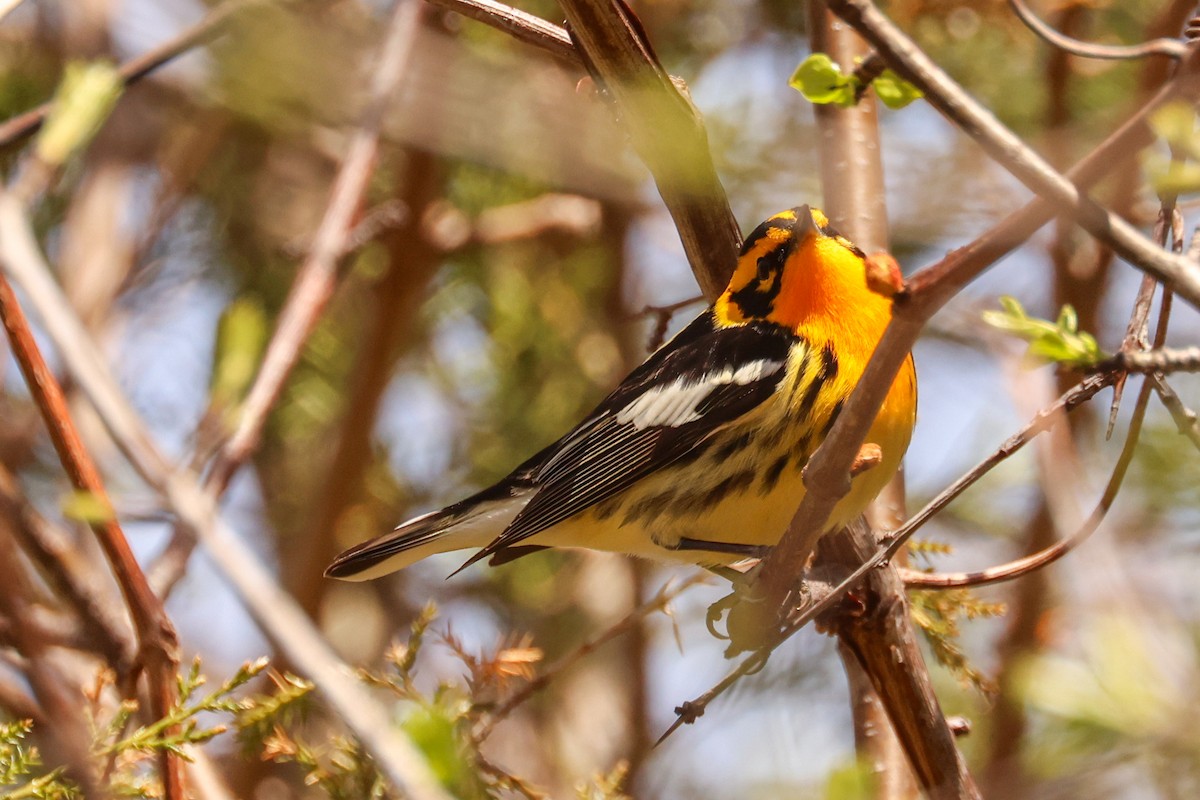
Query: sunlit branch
{"x": 1171, "y": 48}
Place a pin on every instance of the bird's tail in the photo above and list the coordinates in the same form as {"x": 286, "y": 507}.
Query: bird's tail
{"x": 463, "y": 525}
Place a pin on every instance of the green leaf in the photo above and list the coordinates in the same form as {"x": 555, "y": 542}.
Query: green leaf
{"x": 821, "y": 81}
{"x": 241, "y": 337}
{"x": 83, "y": 101}
{"x": 1059, "y": 342}
{"x": 87, "y": 507}
{"x": 893, "y": 91}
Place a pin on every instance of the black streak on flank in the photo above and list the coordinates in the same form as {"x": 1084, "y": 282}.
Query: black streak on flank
{"x": 733, "y": 446}
{"x": 825, "y": 373}
{"x": 736, "y": 482}
{"x": 773, "y": 474}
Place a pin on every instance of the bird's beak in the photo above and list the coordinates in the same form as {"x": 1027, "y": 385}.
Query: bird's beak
{"x": 805, "y": 224}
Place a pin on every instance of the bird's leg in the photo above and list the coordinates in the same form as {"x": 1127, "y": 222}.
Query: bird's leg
{"x": 750, "y": 624}
{"x": 743, "y": 550}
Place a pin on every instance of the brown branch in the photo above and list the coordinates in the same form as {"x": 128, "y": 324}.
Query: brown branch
{"x": 1045, "y": 557}
{"x": 317, "y": 276}
{"x": 1007, "y": 149}
{"x": 18, "y": 128}
{"x": 1185, "y": 418}
{"x": 1171, "y": 48}
{"x": 659, "y": 602}
{"x": 665, "y": 130}
{"x": 158, "y": 646}
{"x": 518, "y": 24}
{"x": 826, "y": 478}
{"x": 881, "y": 635}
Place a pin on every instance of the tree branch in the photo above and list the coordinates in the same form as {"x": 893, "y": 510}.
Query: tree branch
{"x": 666, "y": 131}
{"x": 276, "y": 613}
{"x": 1171, "y": 48}
{"x": 18, "y": 128}
{"x": 827, "y": 474}
{"x": 158, "y": 646}
{"x": 903, "y": 55}
{"x": 518, "y": 24}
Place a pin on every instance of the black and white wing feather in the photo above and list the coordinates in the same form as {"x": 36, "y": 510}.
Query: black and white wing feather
{"x": 699, "y": 382}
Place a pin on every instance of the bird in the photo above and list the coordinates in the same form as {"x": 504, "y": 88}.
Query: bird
{"x": 697, "y": 455}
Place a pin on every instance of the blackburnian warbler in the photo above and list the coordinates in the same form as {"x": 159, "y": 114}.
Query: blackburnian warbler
{"x": 697, "y": 455}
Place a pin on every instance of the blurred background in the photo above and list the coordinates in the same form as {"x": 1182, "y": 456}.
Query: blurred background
{"x": 497, "y": 286}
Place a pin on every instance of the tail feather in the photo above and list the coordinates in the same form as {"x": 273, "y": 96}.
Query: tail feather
{"x": 453, "y": 528}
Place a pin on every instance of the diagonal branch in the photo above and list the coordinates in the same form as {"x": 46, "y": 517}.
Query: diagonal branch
{"x": 827, "y": 475}
{"x": 1043, "y": 558}
{"x": 276, "y": 613}
{"x": 17, "y": 128}
{"x": 520, "y": 25}
{"x": 158, "y": 646}
{"x": 665, "y": 129}
{"x": 908, "y": 60}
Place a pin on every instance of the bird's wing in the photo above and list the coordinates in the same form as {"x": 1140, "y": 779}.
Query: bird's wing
{"x": 699, "y": 382}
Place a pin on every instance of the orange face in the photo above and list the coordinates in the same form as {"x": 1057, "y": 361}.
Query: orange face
{"x": 796, "y": 272}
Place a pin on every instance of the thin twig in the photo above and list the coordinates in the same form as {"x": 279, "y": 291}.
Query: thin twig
{"x": 826, "y": 477}
{"x": 1185, "y": 418}
{"x": 23, "y": 125}
{"x": 823, "y": 601}
{"x": 662, "y": 318}
{"x": 158, "y": 646}
{"x": 1008, "y": 150}
{"x": 276, "y": 612}
{"x": 317, "y": 276}
{"x": 1031, "y": 563}
{"x": 1171, "y": 48}
{"x": 660, "y": 601}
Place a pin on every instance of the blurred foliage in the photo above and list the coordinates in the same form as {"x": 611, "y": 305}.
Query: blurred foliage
{"x": 130, "y": 748}
{"x": 1178, "y": 173}
{"x": 938, "y": 614}
{"x": 1116, "y": 696}
{"x": 83, "y": 101}
{"x": 854, "y": 781}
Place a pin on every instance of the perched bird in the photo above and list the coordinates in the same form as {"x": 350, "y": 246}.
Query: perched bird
{"x": 697, "y": 455}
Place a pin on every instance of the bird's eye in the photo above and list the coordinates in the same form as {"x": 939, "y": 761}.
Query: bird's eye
{"x": 764, "y": 269}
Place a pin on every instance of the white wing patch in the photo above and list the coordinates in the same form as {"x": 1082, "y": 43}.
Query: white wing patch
{"x": 675, "y": 404}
